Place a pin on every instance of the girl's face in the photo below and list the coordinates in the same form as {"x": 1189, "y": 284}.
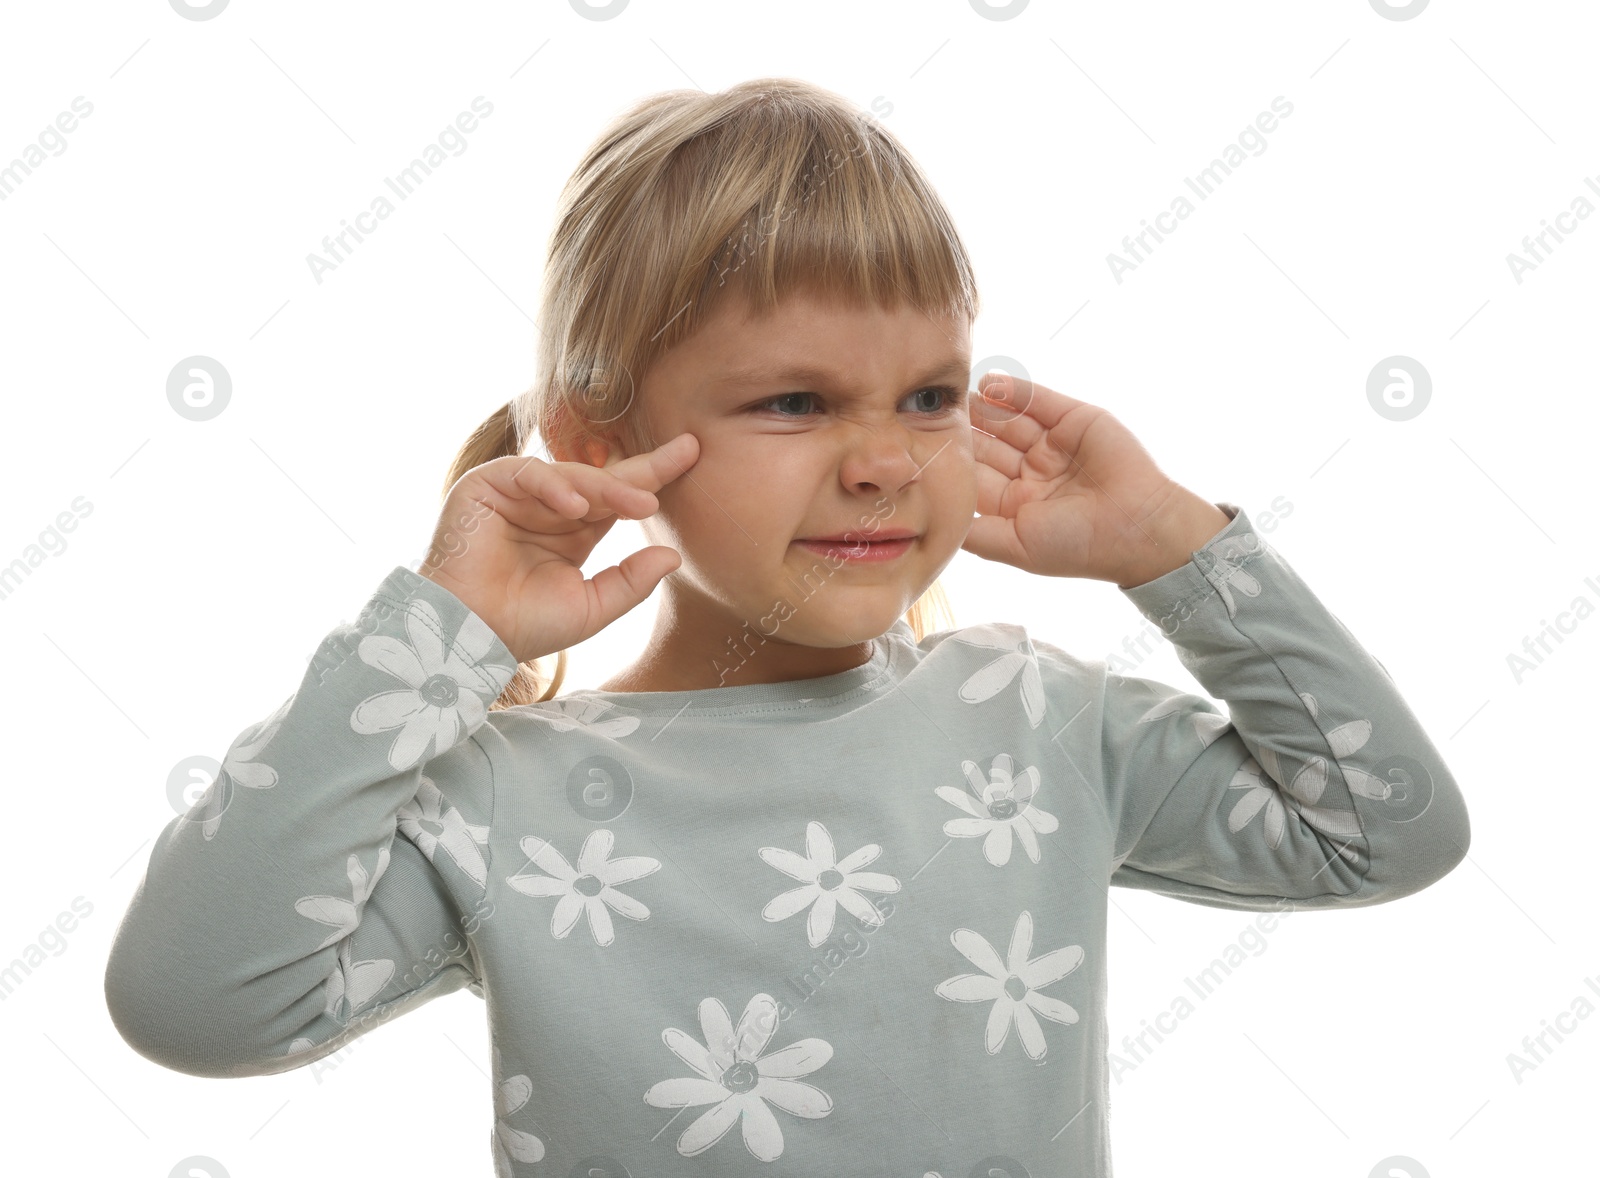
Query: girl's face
{"x": 813, "y": 422}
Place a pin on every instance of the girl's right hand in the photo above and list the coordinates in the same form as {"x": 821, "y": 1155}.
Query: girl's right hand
{"x": 514, "y": 533}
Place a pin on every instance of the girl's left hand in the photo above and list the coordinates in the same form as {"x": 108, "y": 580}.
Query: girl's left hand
{"x": 1064, "y": 489}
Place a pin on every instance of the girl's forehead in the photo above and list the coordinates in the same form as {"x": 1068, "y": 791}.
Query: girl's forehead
{"x": 813, "y": 340}
{"x": 753, "y": 338}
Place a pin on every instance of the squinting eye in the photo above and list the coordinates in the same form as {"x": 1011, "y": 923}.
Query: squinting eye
{"x": 949, "y": 401}
{"x": 781, "y": 397}
{"x": 949, "y": 398}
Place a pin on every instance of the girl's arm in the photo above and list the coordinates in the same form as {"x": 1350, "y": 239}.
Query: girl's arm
{"x": 280, "y": 917}
{"x": 1319, "y": 784}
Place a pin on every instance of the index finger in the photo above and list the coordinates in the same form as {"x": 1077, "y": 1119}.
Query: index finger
{"x": 654, "y": 469}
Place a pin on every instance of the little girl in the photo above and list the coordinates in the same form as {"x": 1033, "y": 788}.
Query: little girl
{"x": 809, "y": 888}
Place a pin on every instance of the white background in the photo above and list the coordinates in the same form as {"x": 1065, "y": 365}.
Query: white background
{"x": 1378, "y": 220}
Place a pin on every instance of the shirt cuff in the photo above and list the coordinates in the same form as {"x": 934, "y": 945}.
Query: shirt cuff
{"x": 1167, "y": 595}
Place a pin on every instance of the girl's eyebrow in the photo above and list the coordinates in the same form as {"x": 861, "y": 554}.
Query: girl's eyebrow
{"x": 809, "y": 374}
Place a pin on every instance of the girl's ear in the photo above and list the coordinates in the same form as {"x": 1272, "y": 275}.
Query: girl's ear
{"x": 587, "y": 449}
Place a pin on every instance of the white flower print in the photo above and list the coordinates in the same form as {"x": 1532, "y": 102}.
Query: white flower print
{"x": 344, "y": 914}
{"x": 354, "y": 981}
{"x": 510, "y": 1095}
{"x": 571, "y": 711}
{"x": 431, "y": 823}
{"x": 442, "y": 693}
{"x": 998, "y": 807}
{"x": 739, "y": 1081}
{"x": 1228, "y": 574}
{"x": 1013, "y": 985}
{"x": 588, "y": 890}
{"x": 1344, "y": 740}
{"x": 239, "y": 767}
{"x": 828, "y": 883}
{"x": 995, "y": 675}
{"x": 1306, "y": 788}
{"x": 1207, "y": 725}
{"x": 1259, "y": 780}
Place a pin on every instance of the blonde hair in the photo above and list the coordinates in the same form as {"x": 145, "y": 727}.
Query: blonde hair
{"x": 779, "y": 183}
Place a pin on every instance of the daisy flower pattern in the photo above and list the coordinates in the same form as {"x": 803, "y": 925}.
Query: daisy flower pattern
{"x": 590, "y": 889}
{"x": 1259, "y": 780}
{"x": 354, "y": 982}
{"x": 240, "y": 767}
{"x": 1225, "y": 560}
{"x": 733, "y": 1076}
{"x": 569, "y": 712}
{"x": 508, "y": 1143}
{"x": 1207, "y": 725}
{"x": 1344, "y": 740}
{"x": 828, "y": 885}
{"x": 1013, "y": 985}
{"x": 994, "y": 676}
{"x": 997, "y": 808}
{"x": 431, "y": 822}
{"x": 441, "y": 697}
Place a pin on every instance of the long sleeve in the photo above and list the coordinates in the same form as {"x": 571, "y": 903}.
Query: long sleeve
{"x": 1319, "y": 784}
{"x": 280, "y": 917}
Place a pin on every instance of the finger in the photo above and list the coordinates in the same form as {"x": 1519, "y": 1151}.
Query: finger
{"x": 626, "y": 488}
{"x": 1029, "y": 396}
{"x": 991, "y": 489}
{"x": 993, "y": 537}
{"x": 606, "y": 494}
{"x": 1009, "y": 420}
{"x": 524, "y": 479}
{"x": 618, "y": 589}
{"x": 997, "y": 454}
{"x": 654, "y": 469}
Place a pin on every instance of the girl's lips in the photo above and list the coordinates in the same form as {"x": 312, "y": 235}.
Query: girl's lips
{"x": 864, "y": 551}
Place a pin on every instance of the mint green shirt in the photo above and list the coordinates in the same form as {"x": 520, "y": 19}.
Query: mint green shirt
{"x": 853, "y": 924}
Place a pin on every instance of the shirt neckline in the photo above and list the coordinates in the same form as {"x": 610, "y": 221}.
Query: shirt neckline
{"x": 818, "y": 692}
